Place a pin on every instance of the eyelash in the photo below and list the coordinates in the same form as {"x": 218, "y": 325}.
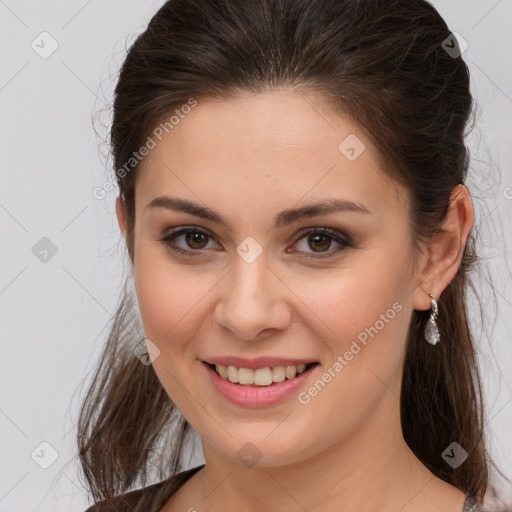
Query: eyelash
{"x": 343, "y": 240}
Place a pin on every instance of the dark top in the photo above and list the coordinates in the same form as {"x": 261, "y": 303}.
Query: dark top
{"x": 162, "y": 491}
{"x": 159, "y": 492}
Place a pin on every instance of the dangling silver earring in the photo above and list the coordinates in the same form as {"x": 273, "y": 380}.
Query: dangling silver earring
{"x": 431, "y": 331}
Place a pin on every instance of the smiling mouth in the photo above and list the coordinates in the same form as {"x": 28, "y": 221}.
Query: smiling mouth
{"x": 263, "y": 377}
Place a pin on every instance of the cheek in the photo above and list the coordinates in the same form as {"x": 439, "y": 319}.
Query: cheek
{"x": 169, "y": 296}
{"x": 171, "y": 305}
{"x": 362, "y": 322}
{"x": 361, "y": 313}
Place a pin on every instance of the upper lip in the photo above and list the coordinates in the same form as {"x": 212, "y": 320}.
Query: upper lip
{"x": 259, "y": 362}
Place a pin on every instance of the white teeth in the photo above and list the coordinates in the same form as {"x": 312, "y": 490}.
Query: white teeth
{"x": 278, "y": 373}
{"x": 245, "y": 376}
{"x": 261, "y": 376}
{"x": 290, "y": 372}
{"x": 232, "y": 374}
{"x": 223, "y": 371}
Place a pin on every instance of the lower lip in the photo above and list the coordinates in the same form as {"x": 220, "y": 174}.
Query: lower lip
{"x": 257, "y": 396}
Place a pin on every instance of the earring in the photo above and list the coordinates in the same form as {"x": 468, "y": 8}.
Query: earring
{"x": 431, "y": 331}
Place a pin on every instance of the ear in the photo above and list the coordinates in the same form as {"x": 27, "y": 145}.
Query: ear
{"x": 121, "y": 214}
{"x": 442, "y": 258}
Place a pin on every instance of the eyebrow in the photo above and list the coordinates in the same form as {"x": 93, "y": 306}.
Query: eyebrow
{"x": 283, "y": 218}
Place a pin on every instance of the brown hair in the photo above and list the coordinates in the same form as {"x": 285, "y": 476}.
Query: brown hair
{"x": 384, "y": 64}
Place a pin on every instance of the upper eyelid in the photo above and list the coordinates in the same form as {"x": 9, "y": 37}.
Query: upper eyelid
{"x": 343, "y": 238}
{"x": 181, "y": 230}
{"x": 300, "y": 232}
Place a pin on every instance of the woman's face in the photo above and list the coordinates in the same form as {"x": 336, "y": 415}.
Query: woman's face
{"x": 251, "y": 287}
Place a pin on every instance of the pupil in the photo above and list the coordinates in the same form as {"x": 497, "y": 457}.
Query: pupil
{"x": 195, "y": 238}
{"x": 324, "y": 237}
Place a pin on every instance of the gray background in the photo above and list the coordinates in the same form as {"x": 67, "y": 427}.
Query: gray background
{"x": 53, "y": 311}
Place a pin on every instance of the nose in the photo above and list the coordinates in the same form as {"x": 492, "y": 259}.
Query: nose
{"x": 253, "y": 300}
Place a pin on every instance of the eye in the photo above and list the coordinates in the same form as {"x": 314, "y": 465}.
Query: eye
{"x": 194, "y": 238}
{"x": 321, "y": 238}
{"x": 317, "y": 238}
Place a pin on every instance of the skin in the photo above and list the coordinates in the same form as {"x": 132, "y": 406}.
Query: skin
{"x": 249, "y": 158}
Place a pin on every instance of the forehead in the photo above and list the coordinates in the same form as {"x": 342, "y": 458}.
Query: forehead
{"x": 272, "y": 149}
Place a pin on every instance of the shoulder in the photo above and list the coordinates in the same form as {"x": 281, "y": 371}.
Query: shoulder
{"x": 157, "y": 494}
{"x": 471, "y": 505}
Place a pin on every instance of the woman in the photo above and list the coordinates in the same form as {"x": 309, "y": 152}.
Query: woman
{"x": 292, "y": 197}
